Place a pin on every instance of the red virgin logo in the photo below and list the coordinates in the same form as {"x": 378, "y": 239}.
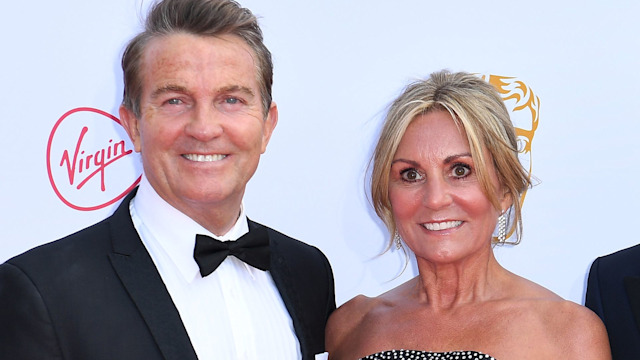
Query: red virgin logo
{"x": 90, "y": 159}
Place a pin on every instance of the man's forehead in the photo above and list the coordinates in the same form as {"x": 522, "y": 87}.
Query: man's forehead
{"x": 179, "y": 59}
{"x": 180, "y": 43}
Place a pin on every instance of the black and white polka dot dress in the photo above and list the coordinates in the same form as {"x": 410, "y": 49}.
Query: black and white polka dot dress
{"x": 427, "y": 355}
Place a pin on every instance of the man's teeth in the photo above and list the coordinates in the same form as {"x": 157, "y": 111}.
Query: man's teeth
{"x": 204, "y": 158}
{"x": 442, "y": 225}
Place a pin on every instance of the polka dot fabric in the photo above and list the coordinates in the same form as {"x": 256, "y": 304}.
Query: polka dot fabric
{"x": 427, "y": 355}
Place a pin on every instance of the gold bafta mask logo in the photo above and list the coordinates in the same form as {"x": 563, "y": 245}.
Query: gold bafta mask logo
{"x": 524, "y": 108}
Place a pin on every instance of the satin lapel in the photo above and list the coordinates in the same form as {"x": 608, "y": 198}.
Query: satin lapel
{"x": 632, "y": 285}
{"x": 143, "y": 283}
{"x": 285, "y": 282}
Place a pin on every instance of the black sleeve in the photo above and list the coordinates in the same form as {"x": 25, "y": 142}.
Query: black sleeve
{"x": 26, "y": 331}
{"x": 593, "y": 299}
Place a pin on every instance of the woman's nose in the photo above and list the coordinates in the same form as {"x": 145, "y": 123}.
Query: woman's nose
{"x": 436, "y": 193}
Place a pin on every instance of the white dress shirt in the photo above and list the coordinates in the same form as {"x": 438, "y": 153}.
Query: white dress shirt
{"x": 234, "y": 313}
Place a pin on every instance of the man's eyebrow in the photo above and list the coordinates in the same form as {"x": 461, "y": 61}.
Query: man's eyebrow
{"x": 183, "y": 90}
{"x": 236, "y": 88}
{"x": 168, "y": 88}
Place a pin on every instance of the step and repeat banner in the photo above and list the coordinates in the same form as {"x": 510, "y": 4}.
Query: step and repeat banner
{"x": 567, "y": 71}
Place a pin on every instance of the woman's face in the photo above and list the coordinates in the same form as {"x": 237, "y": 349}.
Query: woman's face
{"x": 437, "y": 201}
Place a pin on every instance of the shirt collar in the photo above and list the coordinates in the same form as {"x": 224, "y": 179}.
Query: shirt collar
{"x": 174, "y": 231}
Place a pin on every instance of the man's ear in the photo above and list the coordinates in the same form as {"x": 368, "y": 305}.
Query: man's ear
{"x": 270, "y": 123}
{"x": 130, "y": 123}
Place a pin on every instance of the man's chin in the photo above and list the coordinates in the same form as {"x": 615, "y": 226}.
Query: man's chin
{"x": 210, "y": 196}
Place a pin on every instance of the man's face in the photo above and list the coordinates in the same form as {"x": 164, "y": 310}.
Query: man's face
{"x": 202, "y": 128}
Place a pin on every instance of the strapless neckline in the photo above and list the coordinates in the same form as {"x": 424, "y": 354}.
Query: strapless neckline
{"x": 427, "y": 355}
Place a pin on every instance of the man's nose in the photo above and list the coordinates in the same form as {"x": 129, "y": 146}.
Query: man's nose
{"x": 205, "y": 123}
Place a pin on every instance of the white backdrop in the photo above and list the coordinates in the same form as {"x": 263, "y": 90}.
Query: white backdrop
{"x": 337, "y": 66}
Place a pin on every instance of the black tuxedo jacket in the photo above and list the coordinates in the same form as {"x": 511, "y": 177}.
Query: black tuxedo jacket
{"x": 96, "y": 294}
{"x": 613, "y": 292}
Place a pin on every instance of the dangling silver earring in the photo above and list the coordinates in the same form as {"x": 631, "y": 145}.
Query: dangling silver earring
{"x": 502, "y": 228}
{"x": 398, "y": 240}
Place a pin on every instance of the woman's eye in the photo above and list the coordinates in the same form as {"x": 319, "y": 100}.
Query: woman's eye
{"x": 410, "y": 175}
{"x": 461, "y": 171}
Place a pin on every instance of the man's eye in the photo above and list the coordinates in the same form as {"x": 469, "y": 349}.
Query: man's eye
{"x": 410, "y": 175}
{"x": 174, "y": 102}
{"x": 232, "y": 100}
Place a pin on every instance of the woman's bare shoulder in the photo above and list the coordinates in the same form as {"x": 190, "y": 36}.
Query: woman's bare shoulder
{"x": 573, "y": 328}
{"x": 346, "y": 325}
{"x": 360, "y": 323}
{"x": 350, "y": 314}
{"x": 525, "y": 289}
{"x": 582, "y": 329}
{"x": 352, "y": 310}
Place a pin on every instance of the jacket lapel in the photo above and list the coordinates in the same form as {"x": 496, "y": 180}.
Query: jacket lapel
{"x": 285, "y": 282}
{"x": 139, "y": 276}
{"x": 632, "y": 285}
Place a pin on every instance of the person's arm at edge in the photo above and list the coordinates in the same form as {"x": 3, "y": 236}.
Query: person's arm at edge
{"x": 26, "y": 330}
{"x": 593, "y": 299}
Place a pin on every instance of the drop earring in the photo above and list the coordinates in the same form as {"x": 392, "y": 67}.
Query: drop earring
{"x": 502, "y": 228}
{"x": 398, "y": 240}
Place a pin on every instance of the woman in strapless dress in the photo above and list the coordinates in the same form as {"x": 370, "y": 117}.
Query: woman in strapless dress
{"x": 447, "y": 182}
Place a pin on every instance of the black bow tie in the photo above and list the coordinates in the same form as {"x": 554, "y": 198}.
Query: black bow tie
{"x": 252, "y": 248}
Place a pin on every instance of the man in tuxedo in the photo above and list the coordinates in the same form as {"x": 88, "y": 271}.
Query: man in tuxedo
{"x": 178, "y": 271}
{"x": 613, "y": 292}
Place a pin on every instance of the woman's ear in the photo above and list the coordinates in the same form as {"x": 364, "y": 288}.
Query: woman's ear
{"x": 506, "y": 201}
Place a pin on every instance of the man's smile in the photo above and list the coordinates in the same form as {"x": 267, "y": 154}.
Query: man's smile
{"x": 204, "y": 158}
